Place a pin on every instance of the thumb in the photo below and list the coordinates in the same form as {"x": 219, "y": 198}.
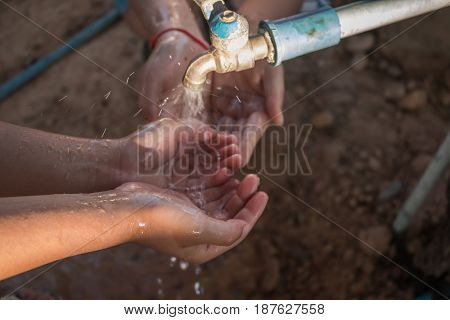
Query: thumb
{"x": 273, "y": 82}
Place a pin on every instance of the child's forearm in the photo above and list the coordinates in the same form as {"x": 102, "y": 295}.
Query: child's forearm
{"x": 38, "y": 230}
{"x": 149, "y": 17}
{"x": 35, "y": 162}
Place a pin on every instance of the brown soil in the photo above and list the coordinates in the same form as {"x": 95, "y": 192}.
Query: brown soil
{"x": 376, "y": 128}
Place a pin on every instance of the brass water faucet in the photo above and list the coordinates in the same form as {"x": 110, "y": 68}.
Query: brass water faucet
{"x": 232, "y": 47}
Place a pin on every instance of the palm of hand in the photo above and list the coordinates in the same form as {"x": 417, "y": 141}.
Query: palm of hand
{"x": 242, "y": 114}
{"x": 244, "y": 103}
{"x": 171, "y": 223}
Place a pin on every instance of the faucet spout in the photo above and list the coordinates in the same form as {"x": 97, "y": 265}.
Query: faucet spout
{"x": 197, "y": 72}
{"x": 232, "y": 47}
{"x": 257, "y": 48}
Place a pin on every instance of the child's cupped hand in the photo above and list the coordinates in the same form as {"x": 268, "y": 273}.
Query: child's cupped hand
{"x": 172, "y": 223}
{"x": 170, "y": 153}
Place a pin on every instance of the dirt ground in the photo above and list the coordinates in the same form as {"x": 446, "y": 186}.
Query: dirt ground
{"x": 375, "y": 129}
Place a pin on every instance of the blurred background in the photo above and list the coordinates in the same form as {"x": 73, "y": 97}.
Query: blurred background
{"x": 375, "y": 129}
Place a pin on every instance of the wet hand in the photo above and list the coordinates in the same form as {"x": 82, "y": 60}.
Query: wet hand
{"x": 164, "y": 71}
{"x": 170, "y": 222}
{"x": 168, "y": 152}
{"x": 246, "y": 102}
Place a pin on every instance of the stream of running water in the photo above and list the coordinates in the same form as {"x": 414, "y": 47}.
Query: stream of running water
{"x": 184, "y": 104}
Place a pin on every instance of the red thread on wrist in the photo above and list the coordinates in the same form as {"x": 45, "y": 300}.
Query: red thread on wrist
{"x": 154, "y": 40}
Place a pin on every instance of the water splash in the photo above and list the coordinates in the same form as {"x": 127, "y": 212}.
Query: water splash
{"x": 63, "y": 98}
{"x": 183, "y": 103}
{"x": 197, "y": 195}
{"x": 128, "y": 78}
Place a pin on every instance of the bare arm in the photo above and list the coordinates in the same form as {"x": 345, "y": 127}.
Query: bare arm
{"x": 36, "y": 162}
{"x": 38, "y": 230}
{"x": 41, "y": 229}
{"x": 149, "y": 17}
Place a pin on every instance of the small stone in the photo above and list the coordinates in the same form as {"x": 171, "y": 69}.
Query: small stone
{"x": 414, "y": 100}
{"x": 394, "y": 71}
{"x": 420, "y": 163}
{"x": 271, "y": 276}
{"x": 394, "y": 91}
{"x": 323, "y": 120}
{"x": 390, "y": 191}
{"x": 414, "y": 246}
{"x": 447, "y": 78}
{"x": 445, "y": 99}
{"x": 300, "y": 90}
{"x": 360, "y": 44}
{"x": 377, "y": 237}
{"x": 374, "y": 164}
{"x": 411, "y": 84}
{"x": 359, "y": 62}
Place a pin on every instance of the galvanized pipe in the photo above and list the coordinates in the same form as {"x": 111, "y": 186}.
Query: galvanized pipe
{"x": 367, "y": 15}
{"x": 298, "y": 35}
{"x": 432, "y": 175}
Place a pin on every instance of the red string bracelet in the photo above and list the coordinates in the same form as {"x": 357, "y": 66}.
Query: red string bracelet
{"x": 154, "y": 40}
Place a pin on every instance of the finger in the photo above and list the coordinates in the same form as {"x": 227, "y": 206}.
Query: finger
{"x": 213, "y": 194}
{"x": 248, "y": 186}
{"x": 233, "y": 163}
{"x": 273, "y": 82}
{"x": 212, "y": 180}
{"x": 252, "y": 133}
{"x": 221, "y": 141}
{"x": 252, "y": 211}
{"x": 149, "y": 110}
{"x": 228, "y": 151}
{"x": 224, "y": 139}
{"x": 274, "y": 93}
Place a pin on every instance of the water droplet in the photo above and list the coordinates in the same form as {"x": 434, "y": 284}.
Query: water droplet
{"x": 184, "y": 265}
{"x": 128, "y": 78}
{"x": 63, "y": 98}
{"x": 198, "y": 288}
{"x": 198, "y": 270}
{"x": 136, "y": 114}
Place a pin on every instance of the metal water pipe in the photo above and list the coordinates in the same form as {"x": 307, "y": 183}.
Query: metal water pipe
{"x": 19, "y": 80}
{"x": 234, "y": 50}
